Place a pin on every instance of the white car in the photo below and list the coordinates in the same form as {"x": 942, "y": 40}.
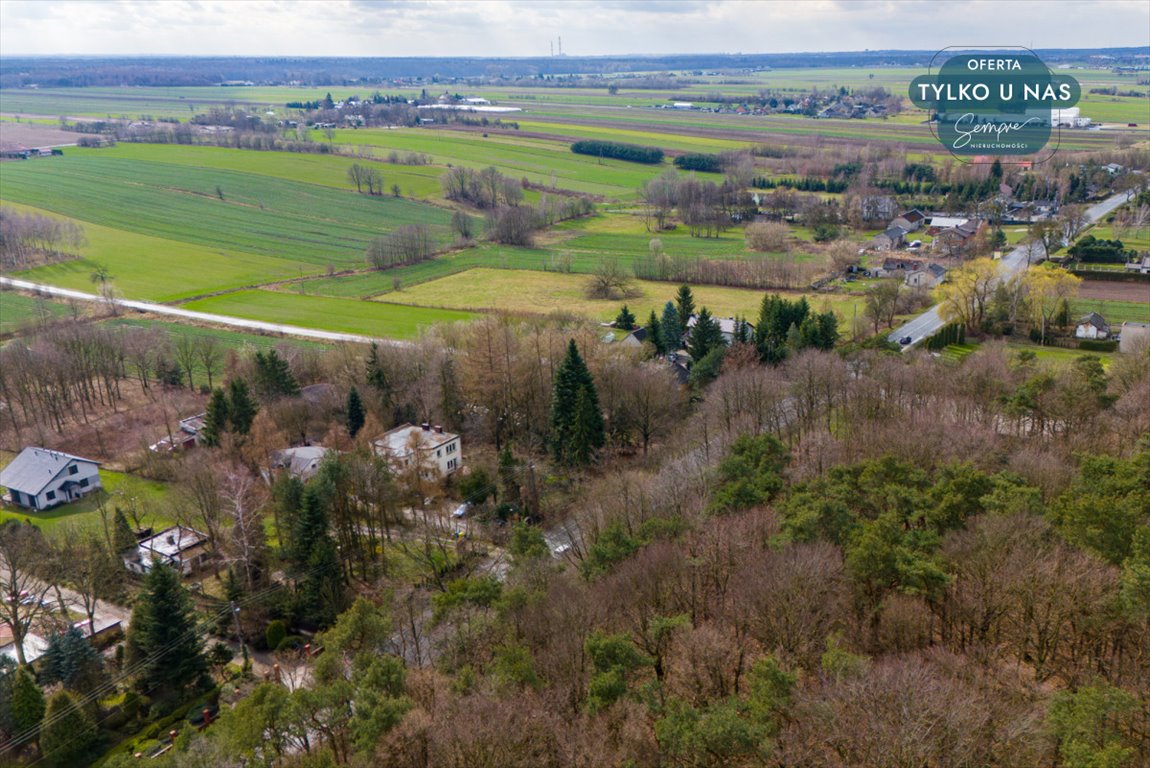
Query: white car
{"x": 561, "y": 549}
{"x": 461, "y": 510}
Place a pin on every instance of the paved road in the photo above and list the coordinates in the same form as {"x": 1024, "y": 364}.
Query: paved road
{"x": 931, "y": 320}
{"x": 206, "y": 317}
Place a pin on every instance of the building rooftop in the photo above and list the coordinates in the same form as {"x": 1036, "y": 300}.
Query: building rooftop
{"x": 34, "y": 468}
{"x": 399, "y": 441}
{"x": 171, "y": 542}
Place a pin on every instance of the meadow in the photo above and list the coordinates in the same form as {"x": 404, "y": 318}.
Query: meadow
{"x": 332, "y": 314}
{"x": 540, "y": 293}
{"x": 18, "y": 311}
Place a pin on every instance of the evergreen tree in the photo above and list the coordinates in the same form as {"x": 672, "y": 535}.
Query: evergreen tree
{"x": 355, "y": 414}
{"x": 576, "y": 421}
{"x": 27, "y": 705}
{"x": 69, "y": 733}
{"x": 216, "y": 419}
{"x": 314, "y": 561}
{"x": 685, "y": 306}
{"x": 273, "y": 376}
{"x": 70, "y": 659}
{"x": 705, "y": 336}
{"x": 655, "y": 334}
{"x": 242, "y": 407}
{"x": 672, "y": 336}
{"x": 123, "y": 537}
{"x": 163, "y": 635}
{"x": 508, "y": 477}
{"x": 625, "y": 320}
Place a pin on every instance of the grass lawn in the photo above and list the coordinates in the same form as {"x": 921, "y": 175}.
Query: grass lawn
{"x": 375, "y": 319}
{"x": 150, "y": 498}
{"x": 18, "y": 311}
{"x": 546, "y": 292}
{"x": 1059, "y": 355}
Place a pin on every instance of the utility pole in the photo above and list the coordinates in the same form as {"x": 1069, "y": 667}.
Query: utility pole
{"x": 240, "y": 632}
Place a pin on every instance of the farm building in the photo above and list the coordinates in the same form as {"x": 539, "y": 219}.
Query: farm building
{"x": 437, "y": 453}
{"x": 181, "y": 548}
{"x": 892, "y": 238}
{"x": 186, "y": 436}
{"x": 41, "y": 479}
{"x": 1092, "y": 326}
{"x": 909, "y": 221}
{"x": 926, "y": 277}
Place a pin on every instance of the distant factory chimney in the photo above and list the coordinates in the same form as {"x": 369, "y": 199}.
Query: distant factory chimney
{"x": 560, "y": 45}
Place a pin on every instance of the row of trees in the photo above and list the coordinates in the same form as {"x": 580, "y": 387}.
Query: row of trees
{"x": 27, "y": 239}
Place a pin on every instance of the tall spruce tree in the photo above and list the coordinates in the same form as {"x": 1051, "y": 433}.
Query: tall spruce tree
{"x": 70, "y": 659}
{"x": 242, "y": 407}
{"x": 314, "y": 560}
{"x": 655, "y": 333}
{"x": 705, "y": 336}
{"x": 123, "y": 537}
{"x": 625, "y": 320}
{"x": 355, "y": 414}
{"x": 216, "y": 418}
{"x": 576, "y": 421}
{"x": 163, "y": 637}
{"x": 672, "y": 336}
{"x": 273, "y": 376}
{"x": 685, "y": 306}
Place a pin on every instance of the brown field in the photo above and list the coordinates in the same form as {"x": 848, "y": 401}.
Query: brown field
{"x": 33, "y": 135}
{"x": 1114, "y": 291}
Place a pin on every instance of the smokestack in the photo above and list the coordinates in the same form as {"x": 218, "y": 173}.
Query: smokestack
{"x": 560, "y": 45}
{"x": 426, "y": 426}
{"x": 439, "y": 429}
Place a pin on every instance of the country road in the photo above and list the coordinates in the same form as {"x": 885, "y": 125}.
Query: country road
{"x": 206, "y": 317}
{"x": 1017, "y": 260}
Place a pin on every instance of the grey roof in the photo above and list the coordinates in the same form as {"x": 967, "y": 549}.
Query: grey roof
{"x": 34, "y": 468}
{"x": 1096, "y": 320}
{"x": 894, "y": 232}
{"x": 303, "y": 462}
{"x": 936, "y": 269}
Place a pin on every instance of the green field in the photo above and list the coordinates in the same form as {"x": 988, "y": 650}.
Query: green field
{"x": 18, "y": 311}
{"x": 331, "y": 314}
{"x": 1115, "y": 312}
{"x": 543, "y": 293}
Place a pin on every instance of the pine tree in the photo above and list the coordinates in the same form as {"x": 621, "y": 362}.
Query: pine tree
{"x": 273, "y": 376}
{"x": 672, "y": 336}
{"x": 69, "y": 733}
{"x": 70, "y": 659}
{"x": 314, "y": 561}
{"x": 216, "y": 419}
{"x": 242, "y": 407}
{"x": 508, "y": 477}
{"x": 576, "y": 421}
{"x": 163, "y": 634}
{"x": 655, "y": 334}
{"x": 27, "y": 705}
{"x": 705, "y": 336}
{"x": 123, "y": 537}
{"x": 625, "y": 320}
{"x": 355, "y": 414}
{"x": 685, "y": 306}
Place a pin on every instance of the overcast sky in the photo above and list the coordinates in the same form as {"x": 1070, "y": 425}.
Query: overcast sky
{"x": 591, "y": 27}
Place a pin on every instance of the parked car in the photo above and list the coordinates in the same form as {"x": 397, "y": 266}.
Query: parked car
{"x": 461, "y": 510}
{"x": 561, "y": 549}
{"x": 905, "y": 340}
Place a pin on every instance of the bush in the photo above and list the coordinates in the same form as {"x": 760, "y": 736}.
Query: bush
{"x": 700, "y": 162}
{"x": 275, "y": 634}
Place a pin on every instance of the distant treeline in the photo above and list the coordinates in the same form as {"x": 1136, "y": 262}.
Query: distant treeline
{"x": 700, "y": 162}
{"x": 629, "y": 152}
{"x": 28, "y": 239}
{"x": 67, "y": 71}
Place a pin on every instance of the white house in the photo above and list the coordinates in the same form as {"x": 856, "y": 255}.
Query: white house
{"x": 435, "y": 452}
{"x": 926, "y": 277}
{"x": 1092, "y": 326}
{"x": 1142, "y": 265}
{"x": 41, "y": 479}
{"x": 181, "y": 548}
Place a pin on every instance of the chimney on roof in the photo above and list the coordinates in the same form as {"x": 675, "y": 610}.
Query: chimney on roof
{"x": 426, "y": 426}
{"x": 439, "y": 429}
{"x": 172, "y": 540}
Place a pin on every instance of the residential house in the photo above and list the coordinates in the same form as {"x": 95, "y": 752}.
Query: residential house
{"x": 926, "y": 277}
{"x": 1092, "y": 326}
{"x": 1113, "y": 168}
{"x": 1142, "y": 265}
{"x": 181, "y": 548}
{"x": 894, "y": 267}
{"x": 957, "y": 240}
{"x": 302, "y": 462}
{"x": 187, "y": 435}
{"x": 435, "y": 452}
{"x": 727, "y": 325}
{"x": 635, "y": 338}
{"x": 1133, "y": 337}
{"x": 890, "y": 239}
{"x": 937, "y": 224}
{"x": 909, "y": 221}
{"x": 40, "y": 479}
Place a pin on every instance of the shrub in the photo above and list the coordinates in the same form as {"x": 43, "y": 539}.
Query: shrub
{"x": 275, "y": 634}
{"x": 1097, "y": 345}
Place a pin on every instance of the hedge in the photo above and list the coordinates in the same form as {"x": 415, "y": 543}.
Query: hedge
{"x": 630, "y": 152}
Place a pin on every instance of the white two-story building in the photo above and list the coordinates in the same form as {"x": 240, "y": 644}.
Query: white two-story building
{"x": 437, "y": 453}
{"x": 41, "y": 479}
